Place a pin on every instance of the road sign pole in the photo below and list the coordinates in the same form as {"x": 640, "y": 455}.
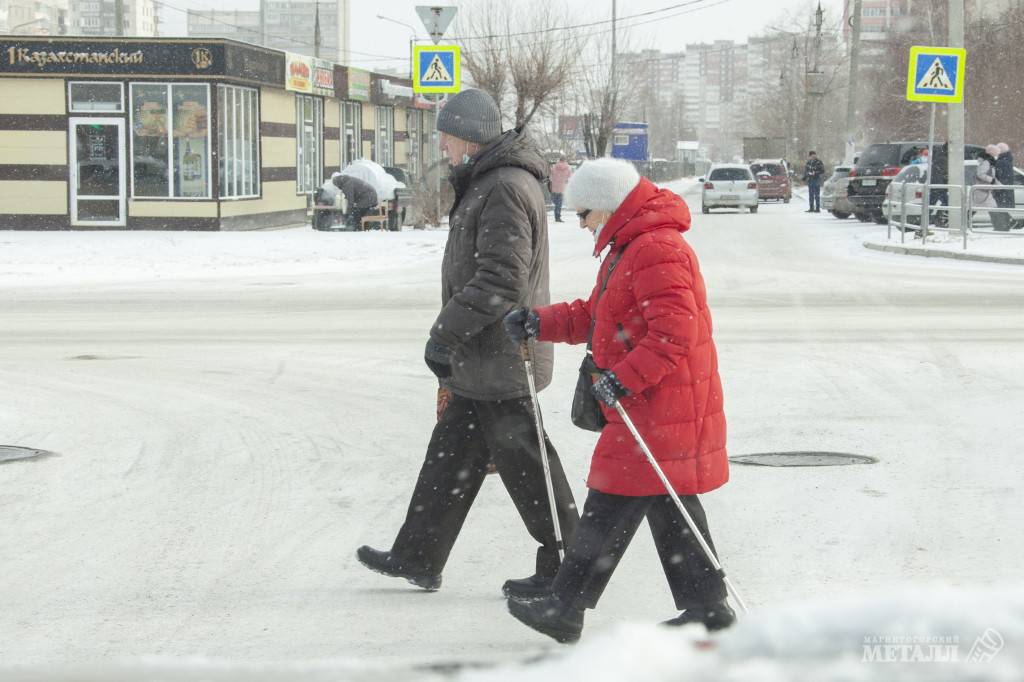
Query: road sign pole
{"x": 955, "y": 121}
{"x": 926, "y": 207}
{"x": 437, "y": 166}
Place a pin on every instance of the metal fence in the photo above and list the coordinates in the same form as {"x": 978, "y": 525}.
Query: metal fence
{"x": 902, "y": 209}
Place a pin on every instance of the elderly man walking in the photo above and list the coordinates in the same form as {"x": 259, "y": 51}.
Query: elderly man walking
{"x": 495, "y": 260}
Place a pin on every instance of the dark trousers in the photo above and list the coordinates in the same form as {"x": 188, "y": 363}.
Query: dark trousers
{"x": 470, "y": 434}
{"x": 556, "y": 198}
{"x": 1004, "y": 199}
{"x": 607, "y": 526}
{"x": 814, "y": 194}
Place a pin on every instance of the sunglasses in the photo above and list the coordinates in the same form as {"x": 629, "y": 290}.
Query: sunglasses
{"x": 582, "y": 215}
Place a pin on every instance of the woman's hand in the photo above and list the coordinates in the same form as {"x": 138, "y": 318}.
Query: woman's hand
{"x": 608, "y": 389}
{"x": 522, "y": 324}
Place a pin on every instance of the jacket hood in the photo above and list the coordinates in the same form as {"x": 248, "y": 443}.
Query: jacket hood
{"x": 645, "y": 209}
{"x": 514, "y": 148}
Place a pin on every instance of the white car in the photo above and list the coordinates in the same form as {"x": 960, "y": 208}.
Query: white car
{"x": 913, "y": 175}
{"x": 729, "y": 185}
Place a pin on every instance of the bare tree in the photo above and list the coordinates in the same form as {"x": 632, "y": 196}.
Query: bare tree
{"x": 517, "y": 53}
{"x": 600, "y": 92}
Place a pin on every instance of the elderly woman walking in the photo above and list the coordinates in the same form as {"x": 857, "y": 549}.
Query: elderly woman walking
{"x": 982, "y": 195}
{"x": 649, "y": 327}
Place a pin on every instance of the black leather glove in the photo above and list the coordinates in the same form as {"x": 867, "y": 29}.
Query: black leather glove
{"x": 608, "y": 389}
{"x": 522, "y": 324}
{"x": 438, "y": 359}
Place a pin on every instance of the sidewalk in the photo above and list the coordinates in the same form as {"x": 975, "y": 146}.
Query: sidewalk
{"x": 983, "y": 246}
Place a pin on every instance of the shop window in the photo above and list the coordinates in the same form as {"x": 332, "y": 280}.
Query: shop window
{"x": 351, "y": 132}
{"x": 170, "y": 140}
{"x": 384, "y": 151}
{"x": 89, "y": 98}
{"x": 309, "y": 142}
{"x": 238, "y": 142}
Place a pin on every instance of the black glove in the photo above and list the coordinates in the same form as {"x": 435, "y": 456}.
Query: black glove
{"x": 522, "y": 324}
{"x": 438, "y": 359}
{"x": 608, "y": 389}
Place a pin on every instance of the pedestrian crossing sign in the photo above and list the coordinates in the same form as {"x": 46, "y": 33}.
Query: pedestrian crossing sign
{"x": 936, "y": 74}
{"x": 437, "y": 69}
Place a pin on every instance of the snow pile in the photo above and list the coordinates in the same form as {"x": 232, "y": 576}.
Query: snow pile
{"x": 910, "y": 635}
{"x": 374, "y": 175}
{"x": 680, "y": 186}
{"x": 980, "y": 242}
{"x": 55, "y": 258}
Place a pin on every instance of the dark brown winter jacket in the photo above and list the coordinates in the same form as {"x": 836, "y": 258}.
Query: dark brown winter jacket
{"x": 496, "y": 259}
{"x": 358, "y": 193}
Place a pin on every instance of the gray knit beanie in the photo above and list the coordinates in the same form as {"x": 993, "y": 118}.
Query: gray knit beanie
{"x": 601, "y": 184}
{"x": 471, "y": 115}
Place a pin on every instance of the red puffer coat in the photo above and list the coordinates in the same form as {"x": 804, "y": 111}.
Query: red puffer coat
{"x": 653, "y": 330}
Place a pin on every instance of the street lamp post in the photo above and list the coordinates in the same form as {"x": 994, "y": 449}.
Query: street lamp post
{"x": 412, "y": 38}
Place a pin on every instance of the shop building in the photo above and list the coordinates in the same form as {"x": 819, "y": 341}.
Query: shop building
{"x": 105, "y": 133}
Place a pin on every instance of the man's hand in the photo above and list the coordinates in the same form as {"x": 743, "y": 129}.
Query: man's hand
{"x": 608, "y": 389}
{"x": 522, "y": 324}
{"x": 438, "y": 359}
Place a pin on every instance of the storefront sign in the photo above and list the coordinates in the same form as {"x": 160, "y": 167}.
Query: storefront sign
{"x": 359, "y": 85}
{"x": 323, "y": 78}
{"x": 109, "y": 57}
{"x": 298, "y": 73}
{"x": 254, "y": 64}
{"x": 391, "y": 90}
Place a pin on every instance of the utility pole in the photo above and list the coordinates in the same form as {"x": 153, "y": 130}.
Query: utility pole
{"x": 851, "y": 91}
{"x": 263, "y": 23}
{"x": 814, "y": 83}
{"x": 955, "y": 119}
{"x": 317, "y": 38}
{"x": 612, "y": 84}
{"x": 118, "y": 17}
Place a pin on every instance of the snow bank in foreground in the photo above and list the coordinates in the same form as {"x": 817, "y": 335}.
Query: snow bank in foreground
{"x": 910, "y": 635}
{"x": 53, "y": 258}
{"x": 907, "y": 636}
{"x": 982, "y": 243}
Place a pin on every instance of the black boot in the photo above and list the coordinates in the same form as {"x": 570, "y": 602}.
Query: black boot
{"x": 549, "y": 616}
{"x": 387, "y": 563}
{"x": 714, "y": 617}
{"x": 527, "y": 589}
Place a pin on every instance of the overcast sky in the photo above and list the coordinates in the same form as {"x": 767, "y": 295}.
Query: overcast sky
{"x": 379, "y": 43}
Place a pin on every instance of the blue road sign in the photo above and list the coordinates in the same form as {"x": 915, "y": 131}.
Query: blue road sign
{"x": 437, "y": 69}
{"x": 936, "y": 74}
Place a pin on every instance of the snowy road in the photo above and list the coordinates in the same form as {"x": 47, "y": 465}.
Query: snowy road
{"x": 234, "y": 414}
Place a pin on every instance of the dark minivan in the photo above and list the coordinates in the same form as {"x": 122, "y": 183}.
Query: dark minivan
{"x": 876, "y": 168}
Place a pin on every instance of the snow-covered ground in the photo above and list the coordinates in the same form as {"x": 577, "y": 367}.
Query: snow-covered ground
{"x": 235, "y": 413}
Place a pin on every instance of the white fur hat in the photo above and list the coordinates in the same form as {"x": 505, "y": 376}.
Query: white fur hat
{"x": 601, "y": 184}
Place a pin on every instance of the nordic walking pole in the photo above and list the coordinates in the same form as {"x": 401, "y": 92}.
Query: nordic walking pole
{"x": 524, "y": 351}
{"x": 679, "y": 503}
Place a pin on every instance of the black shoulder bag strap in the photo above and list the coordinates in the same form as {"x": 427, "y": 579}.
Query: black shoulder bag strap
{"x": 604, "y": 285}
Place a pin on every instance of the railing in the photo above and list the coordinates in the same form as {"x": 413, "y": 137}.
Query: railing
{"x": 896, "y": 205}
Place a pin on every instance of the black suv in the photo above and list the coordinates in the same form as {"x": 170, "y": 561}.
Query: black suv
{"x": 876, "y": 168}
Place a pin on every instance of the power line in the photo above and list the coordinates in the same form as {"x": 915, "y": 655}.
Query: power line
{"x": 586, "y": 25}
{"x": 209, "y": 14}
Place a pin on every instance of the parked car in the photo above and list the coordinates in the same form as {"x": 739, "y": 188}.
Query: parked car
{"x": 772, "y": 180}
{"x": 833, "y": 193}
{"x": 729, "y": 185}
{"x": 913, "y": 175}
{"x": 875, "y": 169}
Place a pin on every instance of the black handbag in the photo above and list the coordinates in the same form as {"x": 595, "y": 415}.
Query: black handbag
{"x": 586, "y": 409}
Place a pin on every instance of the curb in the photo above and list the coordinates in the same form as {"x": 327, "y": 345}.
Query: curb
{"x": 935, "y": 253}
